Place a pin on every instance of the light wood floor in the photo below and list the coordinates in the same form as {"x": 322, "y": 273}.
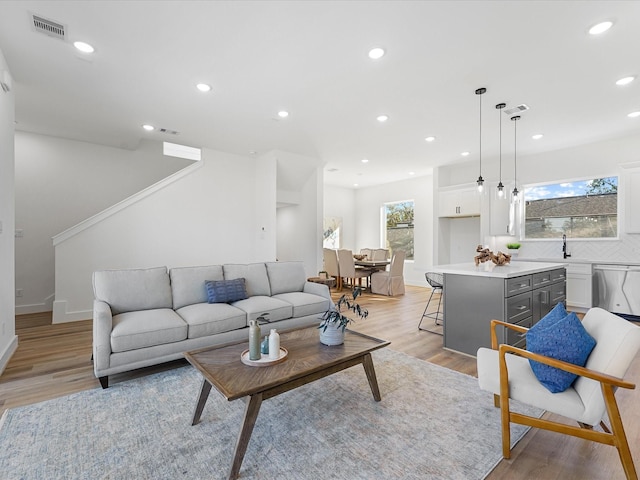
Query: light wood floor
{"x": 55, "y": 360}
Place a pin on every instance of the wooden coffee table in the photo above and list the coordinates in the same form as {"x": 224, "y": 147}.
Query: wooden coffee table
{"x": 308, "y": 360}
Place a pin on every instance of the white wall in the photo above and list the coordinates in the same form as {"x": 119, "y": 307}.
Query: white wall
{"x": 600, "y": 159}
{"x": 207, "y": 217}
{"x": 299, "y": 225}
{"x": 341, "y": 202}
{"x": 368, "y": 203}
{"x": 8, "y": 338}
{"x": 61, "y": 182}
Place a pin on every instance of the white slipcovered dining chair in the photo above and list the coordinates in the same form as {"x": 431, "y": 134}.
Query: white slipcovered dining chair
{"x": 348, "y": 268}
{"x": 380, "y": 254}
{"x": 331, "y": 265}
{"x": 505, "y": 371}
{"x": 390, "y": 282}
{"x": 367, "y": 252}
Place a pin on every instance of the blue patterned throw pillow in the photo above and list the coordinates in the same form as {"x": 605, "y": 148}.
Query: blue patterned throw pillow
{"x": 563, "y": 338}
{"x": 225, "y": 291}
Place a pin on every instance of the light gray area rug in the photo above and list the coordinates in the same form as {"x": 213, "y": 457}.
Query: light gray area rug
{"x": 432, "y": 423}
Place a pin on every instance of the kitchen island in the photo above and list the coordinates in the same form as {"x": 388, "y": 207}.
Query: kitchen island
{"x": 520, "y": 293}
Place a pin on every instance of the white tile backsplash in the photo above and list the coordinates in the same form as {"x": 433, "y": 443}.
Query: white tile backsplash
{"x": 625, "y": 249}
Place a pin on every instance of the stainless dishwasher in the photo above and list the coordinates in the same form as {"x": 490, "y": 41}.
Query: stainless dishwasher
{"x": 617, "y": 288}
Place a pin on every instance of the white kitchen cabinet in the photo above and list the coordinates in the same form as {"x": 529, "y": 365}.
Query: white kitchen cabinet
{"x": 499, "y": 217}
{"x": 580, "y": 285}
{"x": 632, "y": 200}
{"x": 461, "y": 202}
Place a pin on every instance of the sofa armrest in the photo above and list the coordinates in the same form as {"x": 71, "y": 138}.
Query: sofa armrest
{"x": 317, "y": 289}
{"x": 102, "y": 326}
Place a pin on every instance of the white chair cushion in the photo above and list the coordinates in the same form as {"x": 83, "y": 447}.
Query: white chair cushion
{"x": 525, "y": 387}
{"x": 617, "y": 342}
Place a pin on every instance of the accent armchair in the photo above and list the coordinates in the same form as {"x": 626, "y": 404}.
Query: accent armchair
{"x": 505, "y": 371}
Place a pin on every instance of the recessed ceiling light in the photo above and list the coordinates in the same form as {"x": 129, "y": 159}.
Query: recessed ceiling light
{"x": 376, "y": 53}
{"x": 382, "y": 118}
{"x": 430, "y": 139}
{"x": 537, "y": 136}
{"x": 601, "y": 27}
{"x": 148, "y": 128}
{"x": 634, "y": 114}
{"x": 626, "y": 80}
{"x": 355, "y": 184}
{"x": 83, "y": 47}
{"x": 283, "y": 114}
{"x": 412, "y": 173}
{"x": 365, "y": 160}
{"x": 465, "y": 154}
{"x": 203, "y": 87}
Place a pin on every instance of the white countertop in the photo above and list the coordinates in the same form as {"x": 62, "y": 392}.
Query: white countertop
{"x": 489, "y": 269}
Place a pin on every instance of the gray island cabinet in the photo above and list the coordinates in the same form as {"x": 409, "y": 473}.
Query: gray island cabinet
{"x": 520, "y": 293}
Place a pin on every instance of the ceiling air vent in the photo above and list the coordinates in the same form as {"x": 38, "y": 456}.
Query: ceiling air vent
{"x": 167, "y": 131}
{"x": 48, "y": 27}
{"x": 520, "y": 108}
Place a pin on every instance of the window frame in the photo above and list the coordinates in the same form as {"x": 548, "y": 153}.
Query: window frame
{"x": 522, "y": 211}
{"x": 384, "y": 228}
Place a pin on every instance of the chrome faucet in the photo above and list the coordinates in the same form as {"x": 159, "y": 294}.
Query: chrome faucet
{"x": 564, "y": 247}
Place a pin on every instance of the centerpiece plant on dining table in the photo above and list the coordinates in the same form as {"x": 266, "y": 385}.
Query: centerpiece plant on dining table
{"x": 334, "y": 322}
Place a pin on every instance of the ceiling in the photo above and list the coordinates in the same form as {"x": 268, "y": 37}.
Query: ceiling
{"x": 310, "y": 59}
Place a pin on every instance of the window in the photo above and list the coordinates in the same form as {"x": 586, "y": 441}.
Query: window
{"x": 577, "y": 209}
{"x": 398, "y": 217}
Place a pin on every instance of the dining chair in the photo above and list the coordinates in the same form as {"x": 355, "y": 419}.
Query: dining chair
{"x": 331, "y": 265}
{"x": 348, "y": 268}
{"x": 380, "y": 254}
{"x": 506, "y": 371}
{"x": 390, "y": 282}
{"x": 367, "y": 252}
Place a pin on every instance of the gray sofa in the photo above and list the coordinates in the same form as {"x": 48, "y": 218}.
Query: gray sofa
{"x": 143, "y": 317}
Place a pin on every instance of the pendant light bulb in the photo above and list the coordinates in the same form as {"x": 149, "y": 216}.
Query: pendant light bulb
{"x": 500, "y": 190}
{"x": 480, "y": 183}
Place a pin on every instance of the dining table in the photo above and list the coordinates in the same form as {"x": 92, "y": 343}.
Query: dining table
{"x": 372, "y": 263}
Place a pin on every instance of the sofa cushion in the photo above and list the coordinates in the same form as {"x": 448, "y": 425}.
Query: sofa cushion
{"x": 256, "y": 306}
{"x": 305, "y": 303}
{"x": 254, "y": 274}
{"x": 285, "y": 277}
{"x": 225, "y": 291}
{"x": 146, "y": 328}
{"x": 212, "y": 318}
{"x": 187, "y": 283}
{"x": 133, "y": 290}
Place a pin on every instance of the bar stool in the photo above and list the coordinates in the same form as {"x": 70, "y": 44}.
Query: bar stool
{"x": 436, "y": 281}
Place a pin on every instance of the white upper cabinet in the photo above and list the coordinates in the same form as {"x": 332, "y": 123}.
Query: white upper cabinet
{"x": 632, "y": 200}
{"x": 501, "y": 223}
{"x": 462, "y": 202}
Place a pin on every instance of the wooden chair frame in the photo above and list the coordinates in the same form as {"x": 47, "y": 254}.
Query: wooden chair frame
{"x": 615, "y": 436}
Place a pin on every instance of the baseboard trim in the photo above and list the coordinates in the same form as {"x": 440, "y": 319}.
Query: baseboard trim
{"x": 61, "y": 315}
{"x": 8, "y": 353}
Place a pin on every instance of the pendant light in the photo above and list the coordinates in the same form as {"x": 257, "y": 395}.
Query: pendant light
{"x": 514, "y": 194}
{"x": 500, "y": 106}
{"x": 480, "y": 180}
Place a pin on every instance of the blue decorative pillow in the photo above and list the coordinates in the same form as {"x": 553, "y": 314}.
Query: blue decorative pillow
{"x": 557, "y": 313}
{"x": 562, "y": 338}
{"x": 225, "y": 291}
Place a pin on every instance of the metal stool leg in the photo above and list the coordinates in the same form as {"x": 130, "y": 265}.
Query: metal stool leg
{"x": 436, "y": 316}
